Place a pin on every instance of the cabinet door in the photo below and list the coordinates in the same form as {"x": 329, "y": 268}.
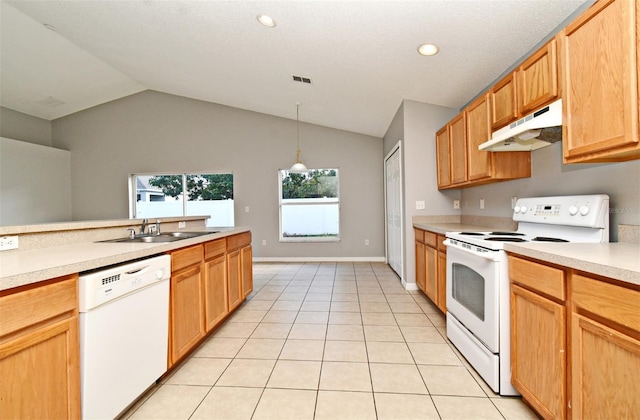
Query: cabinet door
{"x": 504, "y": 108}
{"x": 458, "y": 142}
{"x": 234, "y": 279}
{"x": 478, "y": 131}
{"x": 538, "y": 79}
{"x": 442, "y": 281}
{"x": 40, "y": 373}
{"x": 431, "y": 273}
{"x": 187, "y": 314}
{"x": 246, "y": 254}
{"x": 420, "y": 266}
{"x": 605, "y": 349}
{"x": 443, "y": 157}
{"x": 538, "y": 359}
{"x": 215, "y": 291}
{"x": 599, "y": 56}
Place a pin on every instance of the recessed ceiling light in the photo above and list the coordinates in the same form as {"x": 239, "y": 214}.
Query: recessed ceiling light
{"x": 267, "y": 21}
{"x": 428, "y": 49}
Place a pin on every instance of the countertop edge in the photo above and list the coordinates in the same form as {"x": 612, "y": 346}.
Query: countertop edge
{"x": 112, "y": 253}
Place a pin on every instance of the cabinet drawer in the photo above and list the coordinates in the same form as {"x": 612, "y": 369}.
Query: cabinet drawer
{"x": 430, "y": 239}
{"x": 238, "y": 241}
{"x": 616, "y": 303}
{"x": 34, "y": 305}
{"x": 215, "y": 248}
{"x": 185, "y": 257}
{"x": 535, "y": 276}
{"x": 419, "y": 235}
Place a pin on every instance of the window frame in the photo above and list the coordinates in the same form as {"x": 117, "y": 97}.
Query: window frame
{"x": 283, "y": 202}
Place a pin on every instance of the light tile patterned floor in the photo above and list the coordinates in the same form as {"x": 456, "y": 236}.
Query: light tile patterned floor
{"x": 328, "y": 341}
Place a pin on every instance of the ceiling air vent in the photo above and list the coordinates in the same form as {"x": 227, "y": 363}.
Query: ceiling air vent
{"x": 50, "y": 102}
{"x": 301, "y": 79}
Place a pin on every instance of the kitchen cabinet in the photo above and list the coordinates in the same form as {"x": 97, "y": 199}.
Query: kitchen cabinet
{"x": 575, "y": 341}
{"x": 186, "y": 313}
{"x": 239, "y": 265}
{"x": 538, "y": 337}
{"x": 215, "y": 283}
{"x": 431, "y": 266}
{"x": 40, "y": 351}
{"x": 605, "y": 349}
{"x": 208, "y": 281}
{"x": 533, "y": 84}
{"x": 599, "y": 55}
{"x": 443, "y": 157}
{"x": 460, "y": 163}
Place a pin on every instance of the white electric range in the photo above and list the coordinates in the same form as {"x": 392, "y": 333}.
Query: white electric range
{"x": 478, "y": 283}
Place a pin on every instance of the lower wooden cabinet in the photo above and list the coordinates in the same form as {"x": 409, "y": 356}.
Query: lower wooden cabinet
{"x": 605, "y": 349}
{"x": 431, "y": 266}
{"x": 208, "y": 281}
{"x": 186, "y": 313}
{"x": 39, "y": 351}
{"x": 575, "y": 342}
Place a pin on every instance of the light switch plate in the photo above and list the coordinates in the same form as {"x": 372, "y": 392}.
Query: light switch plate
{"x": 420, "y": 205}
{"x": 456, "y": 204}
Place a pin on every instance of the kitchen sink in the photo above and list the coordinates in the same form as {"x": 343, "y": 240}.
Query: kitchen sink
{"x": 163, "y": 237}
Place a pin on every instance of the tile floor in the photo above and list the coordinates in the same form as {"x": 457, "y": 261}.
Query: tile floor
{"x": 327, "y": 341}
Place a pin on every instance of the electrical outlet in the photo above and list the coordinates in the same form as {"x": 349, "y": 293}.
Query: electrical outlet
{"x": 264, "y": 242}
{"x": 420, "y": 205}
{"x": 246, "y": 209}
{"x": 482, "y": 204}
{"x": 456, "y": 204}
{"x": 182, "y": 225}
{"x": 366, "y": 242}
{"x": 8, "y": 242}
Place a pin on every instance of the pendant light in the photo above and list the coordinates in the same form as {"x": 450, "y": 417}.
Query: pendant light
{"x": 298, "y": 167}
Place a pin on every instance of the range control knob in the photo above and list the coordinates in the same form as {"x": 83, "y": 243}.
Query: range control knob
{"x": 584, "y": 210}
{"x": 573, "y": 210}
{"x": 516, "y": 209}
{"x": 523, "y": 209}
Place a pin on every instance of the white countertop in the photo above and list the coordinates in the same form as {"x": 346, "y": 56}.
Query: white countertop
{"x": 617, "y": 260}
{"x": 26, "y": 267}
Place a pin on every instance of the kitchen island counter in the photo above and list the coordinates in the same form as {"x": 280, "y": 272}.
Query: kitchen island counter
{"x": 31, "y": 266}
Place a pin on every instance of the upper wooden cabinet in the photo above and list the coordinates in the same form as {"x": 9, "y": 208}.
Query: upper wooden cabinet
{"x": 443, "y": 160}
{"x": 461, "y": 163}
{"x": 599, "y": 54}
{"x": 532, "y": 85}
{"x": 504, "y": 103}
{"x": 537, "y": 79}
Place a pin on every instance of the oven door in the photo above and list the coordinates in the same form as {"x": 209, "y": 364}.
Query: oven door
{"x": 472, "y": 291}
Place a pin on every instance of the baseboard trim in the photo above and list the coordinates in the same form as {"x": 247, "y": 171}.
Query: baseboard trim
{"x": 319, "y": 259}
{"x": 410, "y": 286}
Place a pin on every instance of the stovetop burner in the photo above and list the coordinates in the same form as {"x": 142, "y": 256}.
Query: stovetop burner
{"x": 547, "y": 239}
{"x": 472, "y": 233}
{"x": 505, "y": 239}
{"x": 507, "y": 234}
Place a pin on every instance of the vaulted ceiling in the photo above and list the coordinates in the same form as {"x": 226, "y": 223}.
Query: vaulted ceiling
{"x": 60, "y": 57}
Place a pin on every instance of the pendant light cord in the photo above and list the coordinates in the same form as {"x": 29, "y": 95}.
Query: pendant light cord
{"x": 298, "y": 131}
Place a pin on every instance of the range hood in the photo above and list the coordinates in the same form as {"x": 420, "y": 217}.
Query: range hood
{"x": 536, "y": 130}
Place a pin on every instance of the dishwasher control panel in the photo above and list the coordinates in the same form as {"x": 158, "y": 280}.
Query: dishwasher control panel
{"x": 101, "y": 286}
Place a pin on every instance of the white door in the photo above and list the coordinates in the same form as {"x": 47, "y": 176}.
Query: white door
{"x": 393, "y": 209}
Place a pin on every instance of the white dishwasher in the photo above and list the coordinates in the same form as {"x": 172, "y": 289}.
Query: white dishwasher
{"x": 124, "y": 328}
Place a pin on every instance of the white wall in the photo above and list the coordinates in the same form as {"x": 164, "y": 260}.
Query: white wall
{"x": 152, "y": 132}
{"x": 23, "y": 127}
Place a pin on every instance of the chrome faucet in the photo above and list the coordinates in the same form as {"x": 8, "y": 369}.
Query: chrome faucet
{"x": 144, "y": 226}
{"x": 157, "y": 226}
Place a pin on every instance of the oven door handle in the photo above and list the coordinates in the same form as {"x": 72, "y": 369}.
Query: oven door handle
{"x": 491, "y": 256}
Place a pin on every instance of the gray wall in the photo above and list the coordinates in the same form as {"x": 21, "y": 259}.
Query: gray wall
{"x": 18, "y": 126}
{"x": 155, "y": 132}
{"x": 417, "y": 123}
{"x": 549, "y": 176}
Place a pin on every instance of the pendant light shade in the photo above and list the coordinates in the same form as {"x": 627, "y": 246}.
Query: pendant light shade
{"x": 298, "y": 167}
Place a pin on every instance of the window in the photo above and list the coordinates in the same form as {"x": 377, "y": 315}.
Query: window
{"x": 309, "y": 206}
{"x": 172, "y": 195}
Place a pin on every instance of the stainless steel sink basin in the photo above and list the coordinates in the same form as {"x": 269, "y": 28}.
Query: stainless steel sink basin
{"x": 163, "y": 237}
